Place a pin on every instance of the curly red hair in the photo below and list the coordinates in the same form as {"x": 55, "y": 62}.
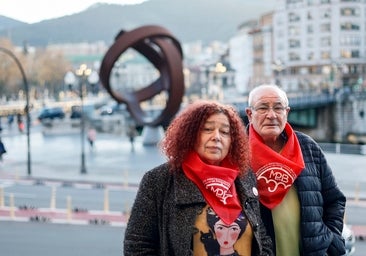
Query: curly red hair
{"x": 182, "y": 133}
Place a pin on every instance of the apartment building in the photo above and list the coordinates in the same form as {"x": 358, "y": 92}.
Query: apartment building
{"x": 241, "y": 56}
{"x": 308, "y": 45}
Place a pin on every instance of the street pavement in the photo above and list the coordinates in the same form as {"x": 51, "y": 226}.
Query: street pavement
{"x": 111, "y": 160}
{"x": 114, "y": 163}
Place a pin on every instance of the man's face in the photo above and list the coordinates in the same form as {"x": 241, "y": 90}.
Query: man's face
{"x": 268, "y": 113}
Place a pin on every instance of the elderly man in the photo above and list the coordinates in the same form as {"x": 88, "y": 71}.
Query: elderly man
{"x": 302, "y": 206}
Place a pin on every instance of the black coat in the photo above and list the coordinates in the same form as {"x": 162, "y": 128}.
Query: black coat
{"x": 322, "y": 204}
{"x": 165, "y": 209}
{"x": 2, "y": 148}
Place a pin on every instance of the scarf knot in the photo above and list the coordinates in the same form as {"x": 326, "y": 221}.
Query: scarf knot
{"x": 275, "y": 172}
{"x": 216, "y": 184}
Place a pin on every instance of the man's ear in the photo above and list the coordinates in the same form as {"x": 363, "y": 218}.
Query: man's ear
{"x": 288, "y": 110}
{"x": 248, "y": 111}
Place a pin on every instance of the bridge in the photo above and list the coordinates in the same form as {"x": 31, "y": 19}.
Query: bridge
{"x": 338, "y": 117}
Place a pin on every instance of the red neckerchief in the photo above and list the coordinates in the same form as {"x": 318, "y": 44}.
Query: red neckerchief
{"x": 216, "y": 184}
{"x": 275, "y": 172}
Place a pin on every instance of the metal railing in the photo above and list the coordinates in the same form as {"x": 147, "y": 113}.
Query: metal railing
{"x": 344, "y": 148}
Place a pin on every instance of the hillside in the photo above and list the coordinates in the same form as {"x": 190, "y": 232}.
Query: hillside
{"x": 9, "y": 23}
{"x": 188, "y": 20}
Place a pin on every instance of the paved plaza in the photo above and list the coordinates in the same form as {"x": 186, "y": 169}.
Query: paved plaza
{"x": 113, "y": 162}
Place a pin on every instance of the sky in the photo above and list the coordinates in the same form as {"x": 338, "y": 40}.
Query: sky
{"x": 32, "y": 11}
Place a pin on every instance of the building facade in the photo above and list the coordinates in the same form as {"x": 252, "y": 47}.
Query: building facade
{"x": 308, "y": 45}
{"x": 241, "y": 56}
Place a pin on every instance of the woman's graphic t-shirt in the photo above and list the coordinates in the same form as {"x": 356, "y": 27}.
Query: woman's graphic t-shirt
{"x": 215, "y": 238}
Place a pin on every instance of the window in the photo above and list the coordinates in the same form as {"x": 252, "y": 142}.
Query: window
{"x": 348, "y": 26}
{"x": 325, "y": 41}
{"x": 355, "y": 54}
{"x": 353, "y": 69}
{"x": 294, "y": 1}
{"x": 348, "y": 54}
{"x": 350, "y": 11}
{"x": 310, "y": 16}
{"x": 325, "y": 55}
{"x": 294, "y": 56}
{"x": 345, "y": 54}
{"x": 294, "y": 43}
{"x": 325, "y": 27}
{"x": 351, "y": 40}
{"x": 310, "y": 29}
{"x": 294, "y": 31}
{"x": 293, "y": 17}
{"x": 326, "y": 14}
{"x": 310, "y": 56}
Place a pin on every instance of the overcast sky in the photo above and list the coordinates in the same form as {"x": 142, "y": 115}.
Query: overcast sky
{"x": 32, "y": 11}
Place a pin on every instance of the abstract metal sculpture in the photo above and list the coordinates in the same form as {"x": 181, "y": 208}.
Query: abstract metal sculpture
{"x": 164, "y": 51}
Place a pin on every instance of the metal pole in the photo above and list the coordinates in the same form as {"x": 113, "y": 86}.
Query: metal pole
{"x": 26, "y": 87}
{"x": 82, "y": 127}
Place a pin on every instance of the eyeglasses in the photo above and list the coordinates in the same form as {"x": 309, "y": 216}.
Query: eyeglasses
{"x": 279, "y": 109}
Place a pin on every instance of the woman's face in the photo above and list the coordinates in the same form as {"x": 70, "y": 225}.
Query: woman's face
{"x": 214, "y": 139}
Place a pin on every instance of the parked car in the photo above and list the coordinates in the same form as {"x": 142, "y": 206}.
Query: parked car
{"x": 51, "y": 113}
{"x": 350, "y": 240}
{"x": 111, "y": 109}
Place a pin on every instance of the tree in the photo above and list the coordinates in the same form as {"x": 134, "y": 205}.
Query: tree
{"x": 49, "y": 69}
{"x": 44, "y": 68}
{"x": 10, "y": 76}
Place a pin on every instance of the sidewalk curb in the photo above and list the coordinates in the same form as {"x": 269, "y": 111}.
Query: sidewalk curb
{"x": 100, "y": 217}
{"x": 71, "y": 183}
{"x": 114, "y": 219}
{"x": 359, "y": 232}
{"x": 63, "y": 216}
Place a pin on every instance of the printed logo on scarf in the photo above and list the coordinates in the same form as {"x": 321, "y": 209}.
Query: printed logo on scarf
{"x": 219, "y": 187}
{"x": 276, "y": 175}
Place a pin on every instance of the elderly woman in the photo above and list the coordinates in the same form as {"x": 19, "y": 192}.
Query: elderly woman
{"x": 207, "y": 173}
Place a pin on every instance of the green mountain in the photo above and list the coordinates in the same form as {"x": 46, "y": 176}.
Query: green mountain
{"x": 188, "y": 20}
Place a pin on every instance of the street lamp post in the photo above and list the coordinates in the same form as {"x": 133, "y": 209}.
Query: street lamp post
{"x": 220, "y": 70}
{"x": 27, "y": 107}
{"x": 83, "y": 73}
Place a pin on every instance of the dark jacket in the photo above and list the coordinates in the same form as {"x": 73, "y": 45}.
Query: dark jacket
{"x": 165, "y": 209}
{"x": 2, "y": 148}
{"x": 322, "y": 204}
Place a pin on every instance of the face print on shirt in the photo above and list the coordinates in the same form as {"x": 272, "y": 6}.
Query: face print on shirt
{"x": 221, "y": 238}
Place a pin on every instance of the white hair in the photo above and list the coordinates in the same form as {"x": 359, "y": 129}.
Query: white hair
{"x": 280, "y": 91}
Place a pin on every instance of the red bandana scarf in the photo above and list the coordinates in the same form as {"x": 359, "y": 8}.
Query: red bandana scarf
{"x": 275, "y": 172}
{"x": 216, "y": 184}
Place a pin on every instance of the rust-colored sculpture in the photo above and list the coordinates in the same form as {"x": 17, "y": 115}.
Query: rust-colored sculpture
{"x": 164, "y": 51}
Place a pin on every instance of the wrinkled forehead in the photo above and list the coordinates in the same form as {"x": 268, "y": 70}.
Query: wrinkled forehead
{"x": 268, "y": 100}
